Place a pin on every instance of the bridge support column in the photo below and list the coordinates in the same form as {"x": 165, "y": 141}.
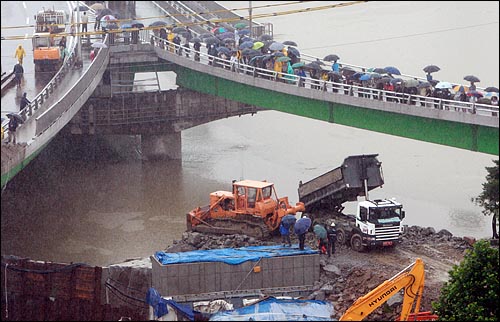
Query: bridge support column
{"x": 164, "y": 146}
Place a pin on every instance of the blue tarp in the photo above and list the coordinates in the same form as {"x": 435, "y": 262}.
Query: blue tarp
{"x": 233, "y": 256}
{"x": 273, "y": 309}
{"x": 159, "y": 305}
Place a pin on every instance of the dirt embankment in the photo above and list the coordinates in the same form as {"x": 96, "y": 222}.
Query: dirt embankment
{"x": 348, "y": 274}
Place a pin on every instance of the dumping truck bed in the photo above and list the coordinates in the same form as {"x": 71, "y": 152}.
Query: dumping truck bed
{"x": 342, "y": 184}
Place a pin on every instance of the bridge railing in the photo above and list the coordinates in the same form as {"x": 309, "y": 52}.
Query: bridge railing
{"x": 330, "y": 86}
{"x": 48, "y": 117}
{"x": 37, "y": 105}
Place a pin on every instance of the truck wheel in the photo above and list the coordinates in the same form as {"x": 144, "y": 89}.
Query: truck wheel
{"x": 341, "y": 237}
{"x": 356, "y": 243}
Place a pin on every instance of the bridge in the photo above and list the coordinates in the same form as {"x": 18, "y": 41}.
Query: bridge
{"x": 90, "y": 105}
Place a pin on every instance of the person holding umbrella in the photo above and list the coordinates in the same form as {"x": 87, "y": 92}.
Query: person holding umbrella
{"x": 285, "y": 235}
{"x": 320, "y": 233}
{"x": 301, "y": 227}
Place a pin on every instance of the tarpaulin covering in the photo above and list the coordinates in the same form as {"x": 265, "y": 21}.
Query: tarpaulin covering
{"x": 159, "y": 305}
{"x": 273, "y": 309}
{"x": 233, "y": 256}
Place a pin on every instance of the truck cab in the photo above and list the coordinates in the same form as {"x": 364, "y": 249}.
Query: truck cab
{"x": 380, "y": 222}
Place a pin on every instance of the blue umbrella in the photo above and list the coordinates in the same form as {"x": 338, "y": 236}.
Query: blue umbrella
{"x": 302, "y": 225}
{"x": 392, "y": 70}
{"x": 288, "y": 220}
{"x": 365, "y": 77}
{"x": 126, "y": 26}
{"x": 246, "y": 44}
{"x": 244, "y": 32}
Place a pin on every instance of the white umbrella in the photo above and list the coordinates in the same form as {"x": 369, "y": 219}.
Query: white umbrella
{"x": 99, "y": 45}
{"x": 108, "y": 18}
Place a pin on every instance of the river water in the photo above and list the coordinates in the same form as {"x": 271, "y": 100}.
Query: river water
{"x": 82, "y": 201}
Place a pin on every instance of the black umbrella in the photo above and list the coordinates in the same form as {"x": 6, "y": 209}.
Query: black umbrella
{"x": 250, "y": 52}
{"x": 290, "y": 43}
{"x": 379, "y": 70}
{"x": 347, "y": 69}
{"x": 18, "y": 117}
{"x": 472, "y": 78}
{"x": 491, "y": 89}
{"x": 137, "y": 25}
{"x": 424, "y": 85}
{"x": 313, "y": 66}
{"x": 158, "y": 24}
{"x": 228, "y": 40}
{"x": 331, "y": 57}
{"x": 319, "y": 62}
{"x": 431, "y": 69}
{"x": 206, "y": 35}
{"x": 293, "y": 51}
{"x": 179, "y": 30}
{"x": 278, "y": 54}
{"x": 196, "y": 39}
{"x": 224, "y": 50}
{"x": 82, "y": 8}
{"x": 266, "y": 37}
{"x": 211, "y": 40}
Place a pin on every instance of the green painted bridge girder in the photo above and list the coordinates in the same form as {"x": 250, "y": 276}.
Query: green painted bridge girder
{"x": 460, "y": 135}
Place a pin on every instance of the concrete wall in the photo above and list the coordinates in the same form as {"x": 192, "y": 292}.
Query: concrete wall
{"x": 205, "y": 277}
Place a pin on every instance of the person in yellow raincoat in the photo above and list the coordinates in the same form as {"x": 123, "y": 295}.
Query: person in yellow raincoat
{"x": 20, "y": 54}
{"x": 170, "y": 38}
{"x": 278, "y": 66}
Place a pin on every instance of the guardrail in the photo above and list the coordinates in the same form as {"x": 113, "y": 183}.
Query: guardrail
{"x": 48, "y": 117}
{"x": 329, "y": 86}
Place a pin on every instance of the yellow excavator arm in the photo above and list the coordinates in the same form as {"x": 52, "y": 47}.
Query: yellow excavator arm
{"x": 411, "y": 279}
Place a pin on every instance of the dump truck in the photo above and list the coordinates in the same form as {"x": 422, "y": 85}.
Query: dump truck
{"x": 376, "y": 222}
{"x": 252, "y": 208}
{"x": 46, "y": 53}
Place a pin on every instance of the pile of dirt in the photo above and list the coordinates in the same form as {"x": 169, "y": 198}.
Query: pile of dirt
{"x": 348, "y": 275}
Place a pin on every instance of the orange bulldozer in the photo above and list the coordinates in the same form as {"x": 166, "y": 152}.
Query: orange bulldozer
{"x": 249, "y": 209}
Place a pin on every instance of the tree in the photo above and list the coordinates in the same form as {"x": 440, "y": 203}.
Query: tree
{"x": 488, "y": 199}
{"x": 471, "y": 294}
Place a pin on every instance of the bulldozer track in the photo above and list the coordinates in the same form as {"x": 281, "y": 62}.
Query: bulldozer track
{"x": 244, "y": 225}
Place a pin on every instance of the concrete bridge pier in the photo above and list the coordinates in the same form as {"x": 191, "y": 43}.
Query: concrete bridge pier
{"x": 162, "y": 146}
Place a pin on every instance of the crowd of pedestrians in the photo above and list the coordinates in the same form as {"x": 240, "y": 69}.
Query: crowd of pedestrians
{"x": 284, "y": 64}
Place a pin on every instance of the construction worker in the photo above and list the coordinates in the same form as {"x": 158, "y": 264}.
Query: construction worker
{"x": 331, "y": 233}
{"x": 285, "y": 235}
{"x": 20, "y": 54}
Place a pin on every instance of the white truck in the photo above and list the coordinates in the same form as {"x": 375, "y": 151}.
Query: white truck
{"x": 377, "y": 223}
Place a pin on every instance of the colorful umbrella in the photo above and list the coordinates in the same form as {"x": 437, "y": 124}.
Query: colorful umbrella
{"x": 298, "y": 65}
{"x": 257, "y": 45}
{"x": 461, "y": 88}
{"x": 240, "y": 25}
